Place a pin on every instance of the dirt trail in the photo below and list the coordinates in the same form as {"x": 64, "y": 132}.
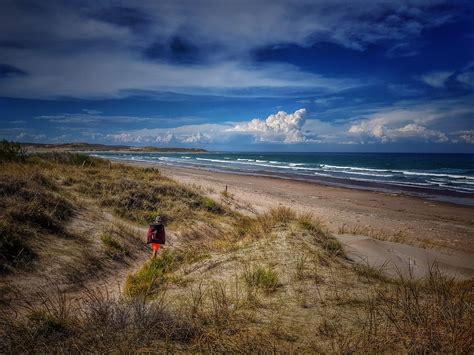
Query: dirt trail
{"x": 114, "y": 280}
{"x": 77, "y": 263}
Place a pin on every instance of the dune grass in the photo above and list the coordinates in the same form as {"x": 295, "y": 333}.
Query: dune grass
{"x": 38, "y": 194}
{"x": 140, "y": 194}
{"x": 31, "y": 208}
{"x": 420, "y": 316}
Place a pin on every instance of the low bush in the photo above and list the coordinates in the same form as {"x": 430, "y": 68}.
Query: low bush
{"x": 282, "y": 214}
{"x": 11, "y": 151}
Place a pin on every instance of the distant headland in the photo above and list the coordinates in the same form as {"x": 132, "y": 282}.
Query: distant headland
{"x": 87, "y": 147}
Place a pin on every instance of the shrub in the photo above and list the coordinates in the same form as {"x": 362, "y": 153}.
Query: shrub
{"x": 371, "y": 273}
{"x": 97, "y": 324}
{"x": 11, "y": 151}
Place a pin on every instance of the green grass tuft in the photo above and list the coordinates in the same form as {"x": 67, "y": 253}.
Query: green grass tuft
{"x": 212, "y": 206}
{"x": 262, "y": 277}
{"x": 147, "y": 280}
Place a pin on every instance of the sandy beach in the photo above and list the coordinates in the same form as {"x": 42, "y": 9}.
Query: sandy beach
{"x": 395, "y": 232}
{"x": 393, "y": 217}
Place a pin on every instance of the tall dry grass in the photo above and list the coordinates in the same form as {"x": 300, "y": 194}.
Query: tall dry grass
{"x": 31, "y": 208}
{"x": 433, "y": 315}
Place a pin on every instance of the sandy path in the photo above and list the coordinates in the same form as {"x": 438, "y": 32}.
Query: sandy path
{"x": 439, "y": 223}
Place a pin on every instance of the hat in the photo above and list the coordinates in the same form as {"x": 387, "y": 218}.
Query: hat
{"x": 158, "y": 219}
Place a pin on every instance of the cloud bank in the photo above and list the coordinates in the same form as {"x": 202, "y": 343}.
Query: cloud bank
{"x": 409, "y": 121}
{"x": 105, "y": 49}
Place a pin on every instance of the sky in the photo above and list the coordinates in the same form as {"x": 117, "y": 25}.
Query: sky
{"x": 229, "y": 75}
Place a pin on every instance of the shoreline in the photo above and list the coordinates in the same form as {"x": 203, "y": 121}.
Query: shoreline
{"x": 387, "y": 216}
{"x": 427, "y": 194}
{"x": 401, "y": 182}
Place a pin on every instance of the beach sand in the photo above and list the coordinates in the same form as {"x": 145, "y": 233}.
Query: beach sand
{"x": 410, "y": 261}
{"x": 385, "y": 218}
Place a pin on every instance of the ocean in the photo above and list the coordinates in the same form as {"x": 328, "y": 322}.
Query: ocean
{"x": 446, "y": 177}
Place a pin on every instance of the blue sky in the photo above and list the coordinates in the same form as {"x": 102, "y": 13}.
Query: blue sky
{"x": 323, "y": 75}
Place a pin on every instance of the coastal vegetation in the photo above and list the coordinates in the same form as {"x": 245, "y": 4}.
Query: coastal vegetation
{"x": 75, "y": 275}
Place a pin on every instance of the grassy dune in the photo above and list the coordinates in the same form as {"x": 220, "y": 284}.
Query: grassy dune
{"x": 272, "y": 282}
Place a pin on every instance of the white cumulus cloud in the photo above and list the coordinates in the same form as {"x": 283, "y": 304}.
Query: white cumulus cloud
{"x": 398, "y": 124}
{"x": 280, "y": 127}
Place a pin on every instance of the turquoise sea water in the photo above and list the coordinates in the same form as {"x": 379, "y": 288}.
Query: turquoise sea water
{"x": 439, "y": 176}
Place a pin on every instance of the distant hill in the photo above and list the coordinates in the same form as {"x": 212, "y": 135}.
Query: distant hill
{"x": 75, "y": 147}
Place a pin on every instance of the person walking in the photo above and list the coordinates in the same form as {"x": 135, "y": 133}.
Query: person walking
{"x": 156, "y": 236}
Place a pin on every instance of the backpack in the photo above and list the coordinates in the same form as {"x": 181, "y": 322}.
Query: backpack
{"x": 156, "y": 234}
